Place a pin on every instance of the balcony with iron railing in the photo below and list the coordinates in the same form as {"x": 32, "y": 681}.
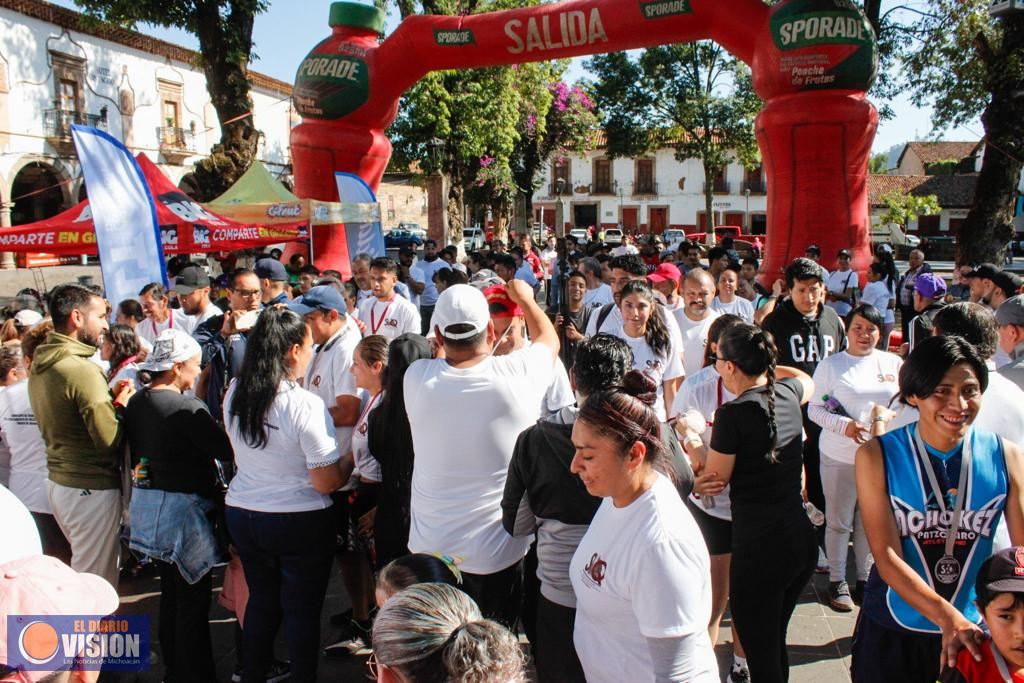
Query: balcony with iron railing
{"x": 645, "y": 188}
{"x": 57, "y": 124}
{"x": 176, "y": 144}
{"x": 718, "y": 186}
{"x": 556, "y": 188}
{"x": 755, "y": 186}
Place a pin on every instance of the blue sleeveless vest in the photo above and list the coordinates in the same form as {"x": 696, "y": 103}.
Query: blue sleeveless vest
{"x": 922, "y": 526}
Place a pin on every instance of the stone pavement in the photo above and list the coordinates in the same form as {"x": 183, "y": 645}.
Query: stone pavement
{"x": 819, "y": 639}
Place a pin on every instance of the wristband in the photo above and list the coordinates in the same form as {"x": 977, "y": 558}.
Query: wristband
{"x": 879, "y": 418}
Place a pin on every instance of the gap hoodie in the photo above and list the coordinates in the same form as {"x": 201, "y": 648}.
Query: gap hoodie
{"x": 804, "y": 342}
{"x": 75, "y": 411}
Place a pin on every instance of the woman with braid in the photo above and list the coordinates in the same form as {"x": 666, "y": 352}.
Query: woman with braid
{"x": 756, "y": 448}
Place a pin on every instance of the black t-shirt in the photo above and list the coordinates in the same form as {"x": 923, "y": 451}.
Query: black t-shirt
{"x": 762, "y": 492}
{"x": 179, "y": 437}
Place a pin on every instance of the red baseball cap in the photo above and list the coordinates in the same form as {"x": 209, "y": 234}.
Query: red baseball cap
{"x": 499, "y": 303}
{"x": 665, "y": 271}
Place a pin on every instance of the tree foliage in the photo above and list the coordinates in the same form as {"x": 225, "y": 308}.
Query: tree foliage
{"x": 693, "y": 96}
{"x": 902, "y": 208}
{"x": 224, "y": 31}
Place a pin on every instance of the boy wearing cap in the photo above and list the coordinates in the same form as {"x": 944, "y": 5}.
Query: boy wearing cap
{"x": 273, "y": 281}
{"x": 193, "y": 288}
{"x": 487, "y": 401}
{"x": 999, "y": 589}
{"x": 929, "y": 298}
{"x": 841, "y": 284}
{"x": 665, "y": 281}
{"x": 386, "y": 313}
{"x": 1010, "y": 317}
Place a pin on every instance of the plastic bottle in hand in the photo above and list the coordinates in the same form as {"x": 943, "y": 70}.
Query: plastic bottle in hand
{"x": 816, "y": 516}
{"x": 140, "y": 475}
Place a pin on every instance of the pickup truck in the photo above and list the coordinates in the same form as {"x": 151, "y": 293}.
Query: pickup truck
{"x": 894, "y": 235}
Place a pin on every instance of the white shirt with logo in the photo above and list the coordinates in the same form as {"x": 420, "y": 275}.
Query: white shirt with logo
{"x": 465, "y": 422}
{"x": 856, "y": 382}
{"x": 28, "y": 451}
{"x": 695, "y": 338}
{"x": 329, "y": 375}
{"x": 596, "y": 298}
{"x": 390, "y": 319}
{"x": 614, "y": 321}
{"x": 149, "y": 329}
{"x": 659, "y": 367}
{"x": 300, "y": 437}
{"x": 836, "y": 283}
{"x": 365, "y": 463}
{"x": 641, "y": 571}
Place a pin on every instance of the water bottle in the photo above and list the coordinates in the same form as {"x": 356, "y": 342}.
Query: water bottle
{"x": 816, "y": 516}
{"x": 140, "y": 475}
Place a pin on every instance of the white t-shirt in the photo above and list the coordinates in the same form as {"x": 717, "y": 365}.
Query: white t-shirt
{"x": 28, "y": 451}
{"x": 836, "y": 283}
{"x": 613, "y": 321}
{"x": 744, "y": 308}
{"x": 659, "y": 367}
{"x": 641, "y": 571}
{"x": 149, "y": 329}
{"x": 695, "y": 338}
{"x": 560, "y": 394}
{"x": 365, "y": 464}
{"x": 548, "y": 257}
{"x": 329, "y": 375}
{"x": 595, "y": 298}
{"x": 856, "y": 382}
{"x": 878, "y": 295}
{"x": 704, "y": 391}
{"x": 423, "y": 272}
{"x": 5, "y": 456}
{"x": 300, "y": 437}
{"x": 389, "y": 319}
{"x": 130, "y": 372}
{"x": 465, "y": 422}
{"x": 210, "y": 312}
{"x": 21, "y": 536}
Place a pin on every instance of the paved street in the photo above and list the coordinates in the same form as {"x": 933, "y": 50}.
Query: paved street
{"x": 819, "y": 639}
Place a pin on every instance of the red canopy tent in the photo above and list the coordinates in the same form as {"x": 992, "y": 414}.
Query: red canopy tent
{"x": 185, "y": 226}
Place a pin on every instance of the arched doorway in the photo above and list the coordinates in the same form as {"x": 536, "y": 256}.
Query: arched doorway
{"x": 36, "y": 193}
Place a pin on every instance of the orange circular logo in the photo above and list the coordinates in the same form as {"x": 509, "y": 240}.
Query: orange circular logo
{"x": 38, "y": 642}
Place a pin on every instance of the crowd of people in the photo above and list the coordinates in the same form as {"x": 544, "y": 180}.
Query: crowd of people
{"x": 604, "y": 467}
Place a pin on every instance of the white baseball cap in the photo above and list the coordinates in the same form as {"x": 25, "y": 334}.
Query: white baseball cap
{"x": 461, "y": 305}
{"x": 172, "y": 346}
{"x": 27, "y": 318}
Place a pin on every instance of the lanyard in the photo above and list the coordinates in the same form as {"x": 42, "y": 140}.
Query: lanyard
{"x": 170, "y": 323}
{"x": 961, "y": 488}
{"x": 369, "y": 407}
{"x": 374, "y": 325}
{"x": 1004, "y": 672}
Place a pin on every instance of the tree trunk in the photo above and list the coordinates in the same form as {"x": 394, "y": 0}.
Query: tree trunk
{"x": 456, "y": 206}
{"x": 988, "y": 226}
{"x": 225, "y": 44}
{"x": 709, "y": 205}
{"x": 523, "y": 213}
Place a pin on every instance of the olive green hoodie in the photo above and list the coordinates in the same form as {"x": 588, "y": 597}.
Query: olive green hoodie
{"x": 75, "y": 411}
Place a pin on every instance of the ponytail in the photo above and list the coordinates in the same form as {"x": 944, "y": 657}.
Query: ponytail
{"x": 753, "y": 351}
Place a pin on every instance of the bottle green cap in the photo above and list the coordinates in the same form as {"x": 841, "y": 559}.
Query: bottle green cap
{"x": 356, "y": 15}
{"x": 143, "y": 460}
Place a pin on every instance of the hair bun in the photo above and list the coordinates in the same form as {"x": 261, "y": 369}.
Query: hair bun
{"x": 640, "y": 386}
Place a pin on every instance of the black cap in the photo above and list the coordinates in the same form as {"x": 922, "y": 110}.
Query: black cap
{"x": 844, "y": 252}
{"x": 1002, "y": 573}
{"x": 191, "y": 279}
{"x": 1009, "y": 282}
{"x": 986, "y": 271}
{"x": 813, "y": 249}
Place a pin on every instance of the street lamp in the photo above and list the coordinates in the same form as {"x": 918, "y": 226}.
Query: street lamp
{"x": 559, "y": 208}
{"x": 746, "y": 217}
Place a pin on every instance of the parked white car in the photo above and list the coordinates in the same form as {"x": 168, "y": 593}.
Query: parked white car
{"x": 613, "y": 236}
{"x": 473, "y": 239}
{"x": 582, "y": 235}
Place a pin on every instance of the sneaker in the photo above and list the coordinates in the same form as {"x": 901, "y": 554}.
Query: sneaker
{"x": 858, "y": 593}
{"x": 355, "y": 639}
{"x": 822, "y": 566}
{"x": 738, "y": 675}
{"x": 279, "y": 671}
{"x": 839, "y": 596}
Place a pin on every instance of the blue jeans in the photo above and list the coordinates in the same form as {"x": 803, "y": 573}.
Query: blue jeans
{"x": 287, "y": 560}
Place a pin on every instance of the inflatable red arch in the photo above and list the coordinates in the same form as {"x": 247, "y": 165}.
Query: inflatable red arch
{"x": 812, "y": 63}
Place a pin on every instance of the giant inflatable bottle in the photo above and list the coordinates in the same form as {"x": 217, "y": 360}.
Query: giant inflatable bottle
{"x": 812, "y": 63}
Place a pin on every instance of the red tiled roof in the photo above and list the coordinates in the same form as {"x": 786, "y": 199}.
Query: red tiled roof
{"x": 75, "y": 21}
{"x": 600, "y": 139}
{"x": 952, "y": 191}
{"x": 932, "y": 152}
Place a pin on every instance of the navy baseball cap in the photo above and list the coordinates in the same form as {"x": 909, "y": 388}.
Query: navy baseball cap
{"x": 270, "y": 269}
{"x": 320, "y": 298}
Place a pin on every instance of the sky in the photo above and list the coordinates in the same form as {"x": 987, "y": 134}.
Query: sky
{"x": 289, "y": 29}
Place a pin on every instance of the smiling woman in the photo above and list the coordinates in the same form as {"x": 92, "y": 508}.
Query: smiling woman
{"x": 931, "y": 495}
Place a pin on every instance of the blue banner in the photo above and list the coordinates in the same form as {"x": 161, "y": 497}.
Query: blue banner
{"x": 124, "y": 215}
{"x": 362, "y": 238}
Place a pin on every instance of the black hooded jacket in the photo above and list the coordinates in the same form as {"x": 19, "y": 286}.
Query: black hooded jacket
{"x": 804, "y": 342}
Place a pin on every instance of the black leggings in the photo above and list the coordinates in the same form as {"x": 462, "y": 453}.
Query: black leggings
{"x": 767, "y": 574}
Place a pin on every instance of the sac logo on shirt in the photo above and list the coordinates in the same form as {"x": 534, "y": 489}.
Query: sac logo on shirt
{"x": 316, "y": 381}
{"x": 391, "y": 322}
{"x": 595, "y": 570}
{"x": 888, "y": 377}
{"x": 654, "y": 365}
{"x": 808, "y": 350}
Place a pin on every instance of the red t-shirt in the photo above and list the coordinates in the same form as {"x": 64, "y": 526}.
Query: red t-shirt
{"x": 969, "y": 671}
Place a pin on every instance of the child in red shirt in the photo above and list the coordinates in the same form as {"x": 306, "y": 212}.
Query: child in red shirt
{"x": 1000, "y": 590}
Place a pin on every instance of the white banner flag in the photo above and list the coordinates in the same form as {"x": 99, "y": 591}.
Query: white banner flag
{"x": 364, "y": 237}
{"x": 127, "y": 233}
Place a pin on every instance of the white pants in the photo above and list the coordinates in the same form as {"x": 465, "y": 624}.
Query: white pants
{"x": 842, "y": 517}
{"x": 91, "y": 521}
